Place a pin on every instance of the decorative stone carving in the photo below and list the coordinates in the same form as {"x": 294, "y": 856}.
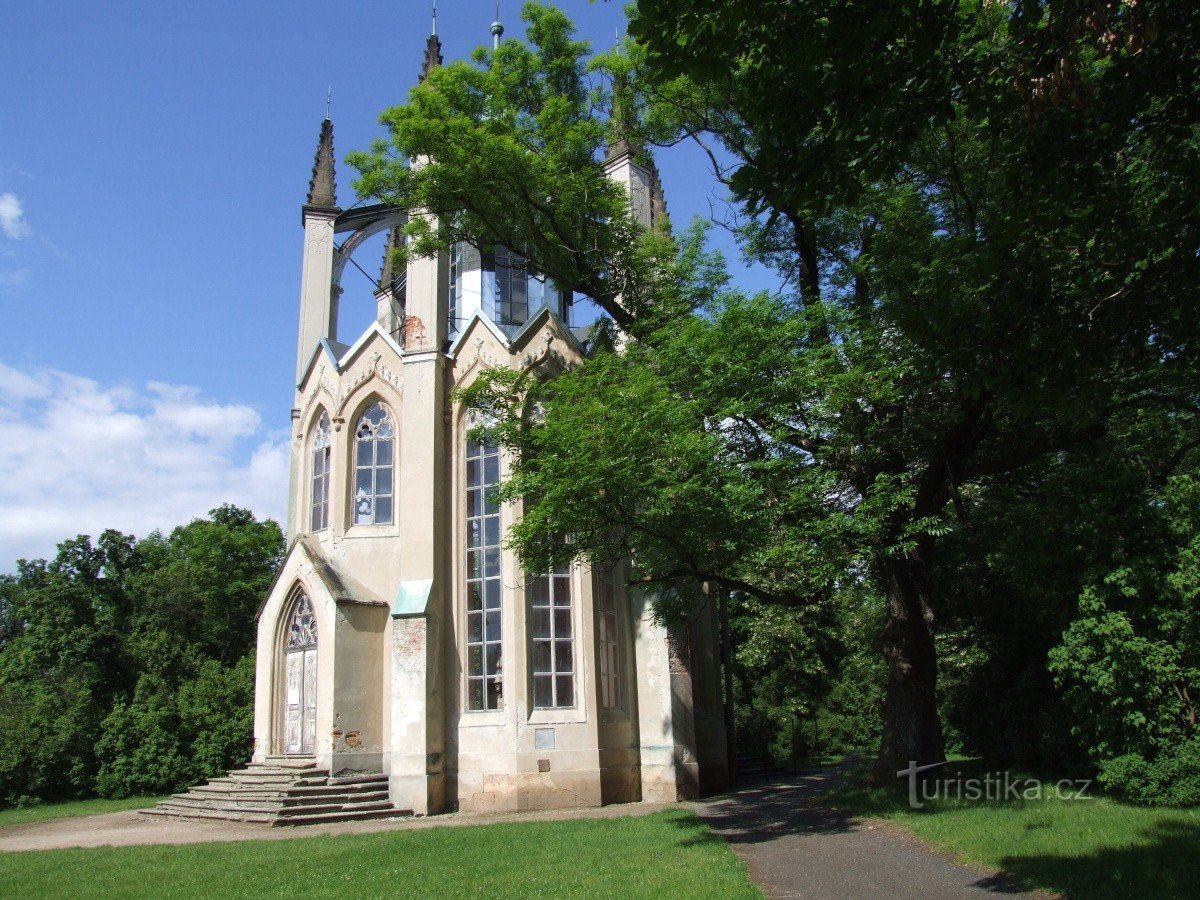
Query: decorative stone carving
{"x": 374, "y": 369}
{"x": 325, "y": 383}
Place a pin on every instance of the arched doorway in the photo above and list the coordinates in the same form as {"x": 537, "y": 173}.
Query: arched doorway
{"x": 300, "y": 678}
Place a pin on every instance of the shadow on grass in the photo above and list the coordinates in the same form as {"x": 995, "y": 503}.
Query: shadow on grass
{"x": 1120, "y": 851}
{"x": 1164, "y": 863}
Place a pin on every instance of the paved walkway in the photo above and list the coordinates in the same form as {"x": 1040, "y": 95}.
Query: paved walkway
{"x": 794, "y": 847}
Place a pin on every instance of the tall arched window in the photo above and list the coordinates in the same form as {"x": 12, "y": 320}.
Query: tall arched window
{"x": 300, "y": 678}
{"x": 485, "y": 683}
{"x": 320, "y": 473}
{"x": 374, "y": 440}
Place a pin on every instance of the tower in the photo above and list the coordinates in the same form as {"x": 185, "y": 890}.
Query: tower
{"x": 318, "y": 294}
{"x": 402, "y": 636}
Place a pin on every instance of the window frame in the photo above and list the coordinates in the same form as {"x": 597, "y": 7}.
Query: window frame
{"x": 559, "y": 578}
{"x": 322, "y": 430}
{"x": 610, "y": 645}
{"x": 374, "y": 467}
{"x": 481, "y": 541}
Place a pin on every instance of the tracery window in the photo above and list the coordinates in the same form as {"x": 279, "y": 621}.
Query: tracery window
{"x": 611, "y": 688}
{"x": 552, "y": 638}
{"x": 302, "y": 629}
{"x": 320, "y": 474}
{"x": 485, "y": 688}
{"x": 374, "y": 449}
{"x": 300, "y": 678}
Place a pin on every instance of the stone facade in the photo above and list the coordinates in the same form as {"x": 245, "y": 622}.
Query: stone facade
{"x": 396, "y": 644}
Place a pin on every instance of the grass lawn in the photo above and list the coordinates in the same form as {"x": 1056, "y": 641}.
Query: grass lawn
{"x": 1079, "y": 848}
{"x": 668, "y": 854}
{"x": 76, "y": 808}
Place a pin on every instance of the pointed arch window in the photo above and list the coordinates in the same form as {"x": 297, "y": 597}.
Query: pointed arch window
{"x": 320, "y": 474}
{"x": 300, "y": 678}
{"x": 302, "y": 629}
{"x": 374, "y": 450}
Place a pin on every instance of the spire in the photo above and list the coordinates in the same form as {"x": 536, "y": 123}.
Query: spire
{"x": 658, "y": 199}
{"x": 387, "y": 272}
{"x": 497, "y": 29}
{"x": 433, "y": 49}
{"x": 322, "y": 189}
{"x": 620, "y": 123}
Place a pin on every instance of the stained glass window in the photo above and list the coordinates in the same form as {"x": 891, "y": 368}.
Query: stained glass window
{"x": 320, "y": 474}
{"x": 374, "y": 449}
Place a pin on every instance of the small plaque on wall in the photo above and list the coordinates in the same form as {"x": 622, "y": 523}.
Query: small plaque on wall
{"x": 543, "y": 738}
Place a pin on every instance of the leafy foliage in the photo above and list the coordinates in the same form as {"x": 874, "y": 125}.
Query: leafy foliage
{"x": 126, "y": 666}
{"x": 1129, "y": 667}
{"x": 989, "y": 239}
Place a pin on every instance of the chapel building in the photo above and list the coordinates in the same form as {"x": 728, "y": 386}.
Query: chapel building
{"x": 402, "y": 636}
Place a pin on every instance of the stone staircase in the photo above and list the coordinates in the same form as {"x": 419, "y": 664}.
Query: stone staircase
{"x": 284, "y": 791}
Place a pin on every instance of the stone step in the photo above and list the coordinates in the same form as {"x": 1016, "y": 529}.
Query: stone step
{"x": 288, "y": 762}
{"x": 237, "y": 809}
{"x": 327, "y": 790}
{"x": 315, "y": 809}
{"x": 281, "y": 769}
{"x": 167, "y": 810}
{"x": 284, "y": 791}
{"x": 357, "y": 779}
{"x": 270, "y": 781}
{"x": 281, "y": 802}
{"x": 355, "y": 816}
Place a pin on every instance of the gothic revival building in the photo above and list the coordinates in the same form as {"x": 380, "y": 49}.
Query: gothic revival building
{"x": 401, "y": 636}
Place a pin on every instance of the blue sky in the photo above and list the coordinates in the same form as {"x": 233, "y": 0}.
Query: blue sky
{"x": 153, "y": 159}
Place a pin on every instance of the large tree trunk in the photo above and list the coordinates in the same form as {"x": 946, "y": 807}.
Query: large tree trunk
{"x": 912, "y": 730}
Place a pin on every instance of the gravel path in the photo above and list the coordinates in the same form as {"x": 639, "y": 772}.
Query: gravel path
{"x": 794, "y": 847}
{"x": 125, "y": 829}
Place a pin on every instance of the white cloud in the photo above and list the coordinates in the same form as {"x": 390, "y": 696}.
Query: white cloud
{"x": 12, "y": 217}
{"x": 13, "y": 279}
{"x": 77, "y": 457}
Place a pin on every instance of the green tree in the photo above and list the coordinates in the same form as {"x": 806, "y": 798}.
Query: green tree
{"x": 127, "y": 666}
{"x": 986, "y": 215}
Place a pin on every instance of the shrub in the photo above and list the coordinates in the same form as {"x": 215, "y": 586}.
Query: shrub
{"x": 217, "y": 710}
{"x": 140, "y": 751}
{"x": 1170, "y": 779}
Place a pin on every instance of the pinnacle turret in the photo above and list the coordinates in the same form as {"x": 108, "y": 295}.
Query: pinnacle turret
{"x": 387, "y": 272}
{"x": 433, "y": 56}
{"x": 322, "y": 187}
{"x": 622, "y": 140}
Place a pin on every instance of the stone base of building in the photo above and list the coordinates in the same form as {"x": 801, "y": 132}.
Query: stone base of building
{"x": 670, "y": 783}
{"x": 621, "y": 784}
{"x": 528, "y": 791}
{"x": 425, "y": 795}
